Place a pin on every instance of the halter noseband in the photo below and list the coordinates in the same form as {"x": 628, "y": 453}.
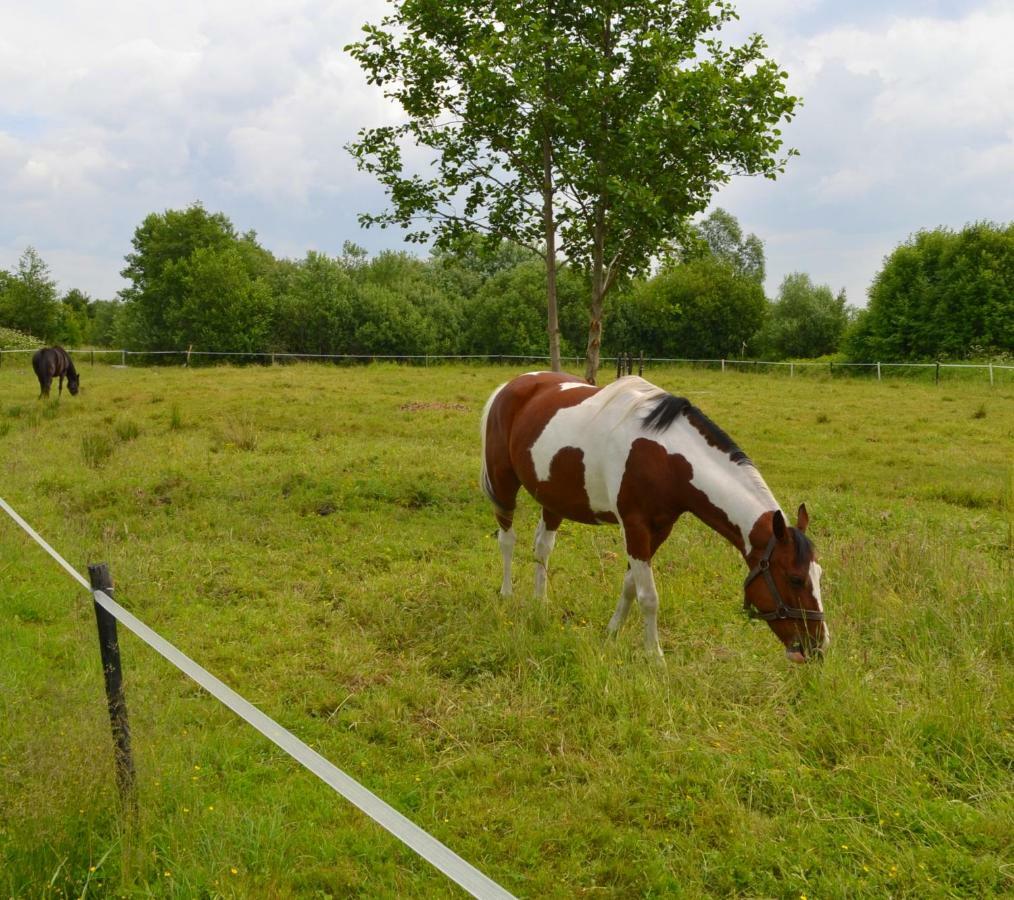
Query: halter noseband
{"x": 781, "y": 610}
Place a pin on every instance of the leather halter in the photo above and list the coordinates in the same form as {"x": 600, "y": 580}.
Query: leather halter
{"x": 782, "y": 610}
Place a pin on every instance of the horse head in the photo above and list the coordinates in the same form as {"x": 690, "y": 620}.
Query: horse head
{"x": 73, "y": 383}
{"x": 783, "y": 589}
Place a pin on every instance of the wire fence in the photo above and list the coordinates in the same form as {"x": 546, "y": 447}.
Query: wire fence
{"x": 994, "y": 371}
{"x": 424, "y": 844}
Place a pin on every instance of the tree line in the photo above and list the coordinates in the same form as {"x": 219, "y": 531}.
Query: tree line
{"x": 194, "y": 280}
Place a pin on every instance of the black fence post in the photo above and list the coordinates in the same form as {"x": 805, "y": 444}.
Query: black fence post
{"x": 110, "y": 649}
{"x": 937, "y": 379}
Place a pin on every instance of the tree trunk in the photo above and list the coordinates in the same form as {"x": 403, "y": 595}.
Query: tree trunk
{"x": 598, "y": 294}
{"x": 549, "y": 221}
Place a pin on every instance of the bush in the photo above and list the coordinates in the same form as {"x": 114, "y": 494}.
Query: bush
{"x": 16, "y": 340}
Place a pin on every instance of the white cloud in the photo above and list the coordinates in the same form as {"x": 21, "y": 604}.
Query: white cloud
{"x": 109, "y": 112}
{"x": 907, "y": 123}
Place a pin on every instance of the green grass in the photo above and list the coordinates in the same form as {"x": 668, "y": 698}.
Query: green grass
{"x": 314, "y": 536}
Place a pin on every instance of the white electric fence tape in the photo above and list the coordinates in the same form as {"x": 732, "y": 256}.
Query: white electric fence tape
{"x": 410, "y": 834}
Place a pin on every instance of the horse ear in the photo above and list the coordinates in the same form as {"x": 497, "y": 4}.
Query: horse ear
{"x": 778, "y": 524}
{"x": 802, "y": 517}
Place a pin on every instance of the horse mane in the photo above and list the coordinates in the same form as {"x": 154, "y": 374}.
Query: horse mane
{"x": 804, "y": 547}
{"x": 668, "y": 408}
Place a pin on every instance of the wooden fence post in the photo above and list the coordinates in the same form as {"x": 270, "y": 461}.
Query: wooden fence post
{"x": 878, "y": 371}
{"x": 936, "y": 379}
{"x": 110, "y": 649}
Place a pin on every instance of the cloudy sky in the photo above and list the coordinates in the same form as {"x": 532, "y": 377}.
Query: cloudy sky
{"x": 112, "y": 110}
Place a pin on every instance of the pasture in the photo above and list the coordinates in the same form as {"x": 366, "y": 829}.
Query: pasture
{"x": 314, "y": 535}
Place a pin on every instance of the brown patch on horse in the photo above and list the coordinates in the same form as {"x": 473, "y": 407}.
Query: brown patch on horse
{"x": 564, "y": 492}
{"x": 655, "y": 491}
{"x": 505, "y": 462}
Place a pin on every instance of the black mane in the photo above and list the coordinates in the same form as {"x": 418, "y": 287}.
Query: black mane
{"x": 669, "y": 408}
{"x": 804, "y": 547}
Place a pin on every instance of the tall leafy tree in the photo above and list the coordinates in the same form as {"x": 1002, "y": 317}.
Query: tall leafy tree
{"x": 586, "y": 130}
{"x": 702, "y": 308}
{"x": 941, "y": 293}
{"x": 807, "y": 319}
{"x": 28, "y": 298}
{"x": 721, "y": 235}
{"x": 193, "y": 279}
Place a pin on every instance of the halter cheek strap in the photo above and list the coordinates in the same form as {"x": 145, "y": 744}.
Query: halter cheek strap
{"x": 782, "y": 610}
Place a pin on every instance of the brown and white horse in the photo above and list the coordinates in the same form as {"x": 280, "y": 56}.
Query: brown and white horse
{"x": 633, "y": 454}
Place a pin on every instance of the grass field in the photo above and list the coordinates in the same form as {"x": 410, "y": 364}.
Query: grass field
{"x": 315, "y": 537}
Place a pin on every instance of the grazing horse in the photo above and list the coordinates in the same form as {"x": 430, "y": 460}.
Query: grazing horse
{"x": 633, "y": 454}
{"x": 55, "y": 362}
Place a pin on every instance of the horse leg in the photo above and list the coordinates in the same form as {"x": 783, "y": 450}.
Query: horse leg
{"x": 642, "y": 542}
{"x": 501, "y": 486}
{"x": 545, "y": 538}
{"x": 59, "y": 392}
{"x": 506, "y": 538}
{"x": 627, "y": 595}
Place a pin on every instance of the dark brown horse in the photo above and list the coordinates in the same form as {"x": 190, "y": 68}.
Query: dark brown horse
{"x": 55, "y": 362}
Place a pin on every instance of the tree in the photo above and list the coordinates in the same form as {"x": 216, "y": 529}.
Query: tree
{"x": 506, "y": 316}
{"x": 941, "y": 294}
{"x": 74, "y": 318}
{"x": 607, "y": 125}
{"x": 700, "y": 309}
{"x": 169, "y": 303}
{"x": 806, "y": 320}
{"x": 104, "y": 316}
{"x": 720, "y": 235}
{"x": 28, "y": 298}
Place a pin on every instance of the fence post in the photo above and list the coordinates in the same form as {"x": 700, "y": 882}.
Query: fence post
{"x": 878, "y": 371}
{"x": 830, "y": 368}
{"x": 792, "y": 370}
{"x": 640, "y": 364}
{"x": 936, "y": 379}
{"x": 991, "y": 374}
{"x": 723, "y": 366}
{"x": 117, "y": 704}
{"x": 123, "y": 358}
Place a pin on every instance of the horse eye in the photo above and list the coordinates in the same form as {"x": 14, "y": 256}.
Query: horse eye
{"x": 796, "y": 581}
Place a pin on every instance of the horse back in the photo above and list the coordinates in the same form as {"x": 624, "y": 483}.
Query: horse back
{"x": 525, "y": 405}
{"x": 52, "y": 361}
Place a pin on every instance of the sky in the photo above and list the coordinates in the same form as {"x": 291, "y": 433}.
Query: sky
{"x": 111, "y": 111}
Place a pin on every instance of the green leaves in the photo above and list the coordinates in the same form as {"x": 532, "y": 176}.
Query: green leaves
{"x": 941, "y": 294}
{"x": 644, "y": 110}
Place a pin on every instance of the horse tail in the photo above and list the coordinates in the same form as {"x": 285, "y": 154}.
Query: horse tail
{"x": 484, "y": 483}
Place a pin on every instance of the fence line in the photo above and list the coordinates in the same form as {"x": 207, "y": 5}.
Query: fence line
{"x": 500, "y": 357}
{"x": 425, "y": 845}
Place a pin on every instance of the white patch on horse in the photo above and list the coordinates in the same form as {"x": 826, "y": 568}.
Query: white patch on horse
{"x": 815, "y": 572}
{"x": 604, "y": 427}
{"x": 599, "y": 427}
{"x": 570, "y": 385}
{"x": 739, "y": 491}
